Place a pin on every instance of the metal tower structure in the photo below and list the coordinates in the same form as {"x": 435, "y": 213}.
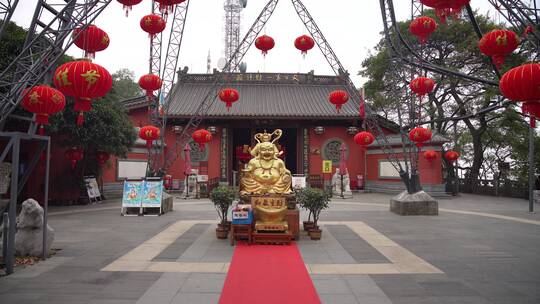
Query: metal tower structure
{"x": 159, "y": 105}
{"x": 233, "y": 9}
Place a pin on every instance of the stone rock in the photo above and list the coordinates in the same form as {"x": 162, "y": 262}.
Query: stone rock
{"x": 31, "y": 215}
{"x": 336, "y": 185}
{"x": 419, "y": 203}
{"x": 29, "y": 236}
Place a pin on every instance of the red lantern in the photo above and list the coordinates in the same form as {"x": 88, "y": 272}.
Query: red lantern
{"x": 422, "y": 86}
{"x": 153, "y": 24}
{"x": 533, "y": 110}
{"x": 74, "y": 155}
{"x": 102, "y": 157}
{"x": 420, "y": 135}
{"x": 304, "y": 43}
{"x": 229, "y": 96}
{"x": 149, "y": 133}
{"x": 128, "y": 4}
{"x": 451, "y": 156}
{"x": 84, "y": 81}
{"x": 498, "y": 44}
{"x": 91, "y": 40}
{"x": 445, "y": 8}
{"x": 521, "y": 83}
{"x": 364, "y": 138}
{"x": 167, "y": 6}
{"x": 43, "y": 101}
{"x": 201, "y": 137}
{"x": 264, "y": 43}
{"x": 150, "y": 83}
{"x": 430, "y": 155}
{"x": 338, "y": 98}
{"x": 422, "y": 27}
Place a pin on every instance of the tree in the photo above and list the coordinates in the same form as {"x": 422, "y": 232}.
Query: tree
{"x": 106, "y": 128}
{"x": 125, "y": 85}
{"x": 12, "y": 43}
{"x": 456, "y": 105}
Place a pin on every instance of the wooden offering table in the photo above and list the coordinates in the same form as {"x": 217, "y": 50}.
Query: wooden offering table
{"x": 241, "y": 231}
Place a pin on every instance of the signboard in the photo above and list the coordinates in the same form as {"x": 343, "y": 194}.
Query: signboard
{"x": 202, "y": 178}
{"x": 152, "y": 192}
{"x": 92, "y": 187}
{"x": 387, "y": 170}
{"x": 132, "y": 195}
{"x": 326, "y": 166}
{"x": 269, "y": 202}
{"x": 131, "y": 169}
{"x": 298, "y": 182}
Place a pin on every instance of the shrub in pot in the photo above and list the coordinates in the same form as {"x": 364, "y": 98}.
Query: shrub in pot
{"x": 315, "y": 200}
{"x": 222, "y": 197}
{"x": 300, "y": 199}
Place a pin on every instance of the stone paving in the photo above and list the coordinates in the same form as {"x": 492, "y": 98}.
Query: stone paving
{"x": 478, "y": 250}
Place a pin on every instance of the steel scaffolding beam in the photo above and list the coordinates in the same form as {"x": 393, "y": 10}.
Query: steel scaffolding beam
{"x": 212, "y": 92}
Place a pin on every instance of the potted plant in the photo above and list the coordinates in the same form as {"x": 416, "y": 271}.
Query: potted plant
{"x": 315, "y": 200}
{"x": 300, "y": 199}
{"x": 222, "y": 197}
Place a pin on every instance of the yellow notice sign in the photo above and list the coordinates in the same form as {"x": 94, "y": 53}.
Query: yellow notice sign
{"x": 326, "y": 166}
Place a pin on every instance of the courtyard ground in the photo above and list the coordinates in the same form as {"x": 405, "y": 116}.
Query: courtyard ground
{"x": 478, "y": 250}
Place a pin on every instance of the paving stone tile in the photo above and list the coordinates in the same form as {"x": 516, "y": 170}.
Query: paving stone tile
{"x": 195, "y": 298}
{"x": 164, "y": 289}
{"x": 442, "y": 288}
{"x": 463, "y": 300}
{"x": 113, "y": 301}
{"x": 399, "y": 285}
{"x": 415, "y": 300}
{"x": 331, "y": 286}
{"x": 202, "y": 285}
{"x": 338, "y": 299}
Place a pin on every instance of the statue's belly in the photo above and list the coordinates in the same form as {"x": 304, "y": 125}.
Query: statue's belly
{"x": 268, "y": 176}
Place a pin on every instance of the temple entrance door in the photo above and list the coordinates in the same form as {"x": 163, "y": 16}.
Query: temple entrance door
{"x": 289, "y": 142}
{"x": 242, "y": 140}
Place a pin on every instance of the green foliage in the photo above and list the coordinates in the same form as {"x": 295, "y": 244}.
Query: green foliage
{"x": 106, "y": 128}
{"x": 223, "y": 197}
{"x": 313, "y": 199}
{"x": 125, "y": 86}
{"x": 12, "y": 43}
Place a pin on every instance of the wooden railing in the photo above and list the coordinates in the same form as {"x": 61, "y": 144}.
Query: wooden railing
{"x": 494, "y": 187}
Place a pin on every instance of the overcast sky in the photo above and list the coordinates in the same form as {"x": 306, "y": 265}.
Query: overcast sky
{"x": 352, "y": 27}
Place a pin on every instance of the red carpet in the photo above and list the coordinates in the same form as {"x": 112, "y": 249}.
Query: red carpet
{"x": 268, "y": 274}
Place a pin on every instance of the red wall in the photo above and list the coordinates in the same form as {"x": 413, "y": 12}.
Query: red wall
{"x": 430, "y": 173}
{"x": 139, "y": 118}
{"x": 355, "y": 160}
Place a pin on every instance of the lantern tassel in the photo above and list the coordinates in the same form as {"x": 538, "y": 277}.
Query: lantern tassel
{"x": 41, "y": 130}
{"x": 73, "y": 163}
{"x": 201, "y": 146}
{"x": 80, "y": 118}
{"x": 532, "y": 122}
{"x": 149, "y": 144}
{"x": 498, "y": 60}
{"x": 338, "y": 108}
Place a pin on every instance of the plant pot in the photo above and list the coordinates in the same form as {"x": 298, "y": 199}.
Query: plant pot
{"x": 307, "y": 225}
{"x": 221, "y": 233}
{"x": 315, "y": 233}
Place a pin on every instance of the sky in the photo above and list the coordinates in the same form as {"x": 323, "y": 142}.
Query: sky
{"x": 352, "y": 27}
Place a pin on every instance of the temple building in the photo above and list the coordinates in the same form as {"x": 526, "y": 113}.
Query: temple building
{"x": 313, "y": 131}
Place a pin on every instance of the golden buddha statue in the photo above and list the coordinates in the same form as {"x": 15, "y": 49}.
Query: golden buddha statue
{"x": 266, "y": 172}
{"x": 267, "y": 182}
